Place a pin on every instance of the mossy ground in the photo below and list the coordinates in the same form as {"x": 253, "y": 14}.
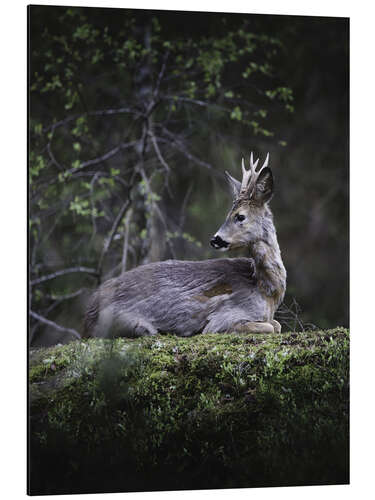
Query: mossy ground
{"x": 211, "y": 411}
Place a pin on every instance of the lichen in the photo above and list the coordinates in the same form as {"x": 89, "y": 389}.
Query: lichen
{"x": 210, "y": 411}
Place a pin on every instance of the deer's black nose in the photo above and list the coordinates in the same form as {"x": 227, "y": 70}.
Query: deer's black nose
{"x": 217, "y": 242}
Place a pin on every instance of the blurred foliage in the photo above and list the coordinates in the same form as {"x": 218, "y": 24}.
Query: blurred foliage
{"x": 134, "y": 115}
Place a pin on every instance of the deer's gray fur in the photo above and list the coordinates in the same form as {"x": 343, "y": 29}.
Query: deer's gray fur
{"x": 218, "y": 295}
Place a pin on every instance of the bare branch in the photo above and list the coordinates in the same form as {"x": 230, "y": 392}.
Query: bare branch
{"x": 176, "y": 144}
{"x": 67, "y": 296}
{"x": 54, "y": 325}
{"x": 76, "y": 171}
{"x": 69, "y": 270}
{"x": 115, "y": 111}
{"x": 106, "y": 156}
{"x": 197, "y": 102}
{"x": 157, "y": 151}
{"x": 112, "y": 233}
{"x": 102, "y": 173}
{"x": 102, "y": 112}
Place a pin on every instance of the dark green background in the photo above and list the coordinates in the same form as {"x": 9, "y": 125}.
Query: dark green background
{"x": 308, "y": 152}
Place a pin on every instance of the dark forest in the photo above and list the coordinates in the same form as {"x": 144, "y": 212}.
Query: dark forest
{"x": 133, "y": 118}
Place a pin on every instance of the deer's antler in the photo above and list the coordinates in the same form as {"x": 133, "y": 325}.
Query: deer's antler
{"x": 249, "y": 177}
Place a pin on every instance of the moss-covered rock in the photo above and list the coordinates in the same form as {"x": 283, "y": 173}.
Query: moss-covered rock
{"x": 211, "y": 411}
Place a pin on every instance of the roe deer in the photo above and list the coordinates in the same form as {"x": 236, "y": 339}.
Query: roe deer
{"x": 217, "y": 295}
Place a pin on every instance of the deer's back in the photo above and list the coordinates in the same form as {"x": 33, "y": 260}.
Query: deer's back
{"x": 181, "y": 296}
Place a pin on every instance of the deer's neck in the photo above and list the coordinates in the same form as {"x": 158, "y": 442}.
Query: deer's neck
{"x": 270, "y": 270}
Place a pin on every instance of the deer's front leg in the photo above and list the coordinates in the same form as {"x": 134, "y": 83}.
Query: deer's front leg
{"x": 276, "y": 325}
{"x": 254, "y": 327}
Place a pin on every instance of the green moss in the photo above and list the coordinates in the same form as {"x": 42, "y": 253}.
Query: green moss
{"x": 211, "y": 411}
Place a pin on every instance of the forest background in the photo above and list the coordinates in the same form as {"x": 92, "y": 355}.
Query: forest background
{"x": 135, "y": 115}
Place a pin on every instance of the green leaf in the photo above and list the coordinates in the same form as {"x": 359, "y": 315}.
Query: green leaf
{"x": 236, "y": 114}
{"x": 82, "y": 32}
{"x": 261, "y": 112}
{"x": 98, "y": 56}
{"x": 38, "y": 128}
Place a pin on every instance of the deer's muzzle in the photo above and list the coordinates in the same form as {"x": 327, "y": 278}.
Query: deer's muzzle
{"x": 218, "y": 243}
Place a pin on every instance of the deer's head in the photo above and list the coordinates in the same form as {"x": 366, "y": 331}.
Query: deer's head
{"x": 244, "y": 224}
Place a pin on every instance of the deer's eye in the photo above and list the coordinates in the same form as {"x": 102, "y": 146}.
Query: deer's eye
{"x": 239, "y": 218}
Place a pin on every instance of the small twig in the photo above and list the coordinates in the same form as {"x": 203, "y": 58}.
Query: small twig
{"x": 92, "y": 183}
{"x": 290, "y": 317}
{"x": 54, "y": 325}
{"x": 69, "y": 270}
{"x": 161, "y": 74}
{"x": 126, "y": 241}
{"x": 57, "y": 301}
{"x": 184, "y": 204}
{"x": 162, "y": 161}
{"x": 52, "y": 228}
{"x": 53, "y": 159}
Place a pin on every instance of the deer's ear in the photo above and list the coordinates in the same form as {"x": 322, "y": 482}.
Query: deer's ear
{"x": 264, "y": 186}
{"x": 235, "y": 185}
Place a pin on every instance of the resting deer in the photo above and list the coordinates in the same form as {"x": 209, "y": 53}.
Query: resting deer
{"x": 217, "y": 295}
